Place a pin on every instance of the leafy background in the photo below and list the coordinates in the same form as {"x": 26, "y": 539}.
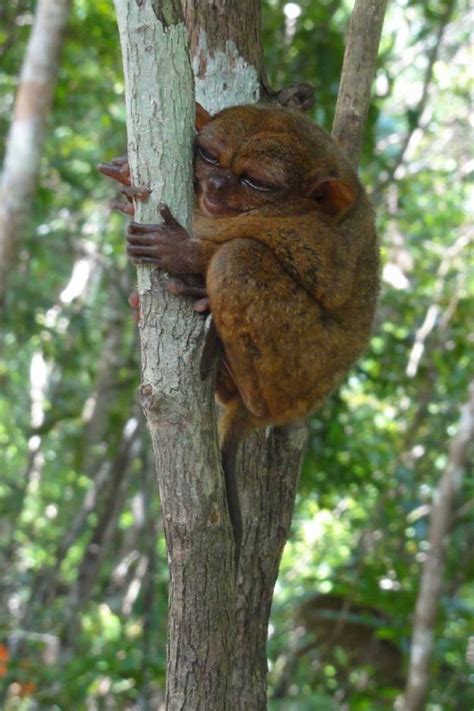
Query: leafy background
{"x": 84, "y": 581}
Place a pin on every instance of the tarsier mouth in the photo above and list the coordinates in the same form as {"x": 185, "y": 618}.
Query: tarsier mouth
{"x": 212, "y": 207}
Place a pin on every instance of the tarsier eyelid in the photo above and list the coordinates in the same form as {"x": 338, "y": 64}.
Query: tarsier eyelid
{"x": 257, "y": 184}
{"x": 207, "y": 156}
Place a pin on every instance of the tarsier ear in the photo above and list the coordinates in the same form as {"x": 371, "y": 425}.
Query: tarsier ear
{"x": 332, "y": 195}
{"x": 202, "y": 117}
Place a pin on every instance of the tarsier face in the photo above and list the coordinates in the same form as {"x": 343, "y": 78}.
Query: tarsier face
{"x": 238, "y": 167}
{"x": 249, "y": 158}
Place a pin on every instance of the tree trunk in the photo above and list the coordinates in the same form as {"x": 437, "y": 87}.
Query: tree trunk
{"x": 179, "y": 407}
{"x": 27, "y": 131}
{"x": 433, "y": 566}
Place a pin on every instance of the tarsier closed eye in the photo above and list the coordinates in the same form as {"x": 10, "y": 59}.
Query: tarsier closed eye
{"x": 207, "y": 156}
{"x": 256, "y": 184}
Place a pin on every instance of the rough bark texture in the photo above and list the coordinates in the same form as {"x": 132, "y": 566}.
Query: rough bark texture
{"x": 226, "y": 54}
{"x": 270, "y": 470}
{"x": 226, "y": 51}
{"x": 433, "y": 568}
{"x": 358, "y": 70}
{"x": 178, "y": 405}
{"x": 27, "y": 131}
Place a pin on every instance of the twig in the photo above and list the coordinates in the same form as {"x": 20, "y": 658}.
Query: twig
{"x": 360, "y": 59}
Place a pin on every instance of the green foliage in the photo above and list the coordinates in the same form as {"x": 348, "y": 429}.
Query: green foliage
{"x": 69, "y": 371}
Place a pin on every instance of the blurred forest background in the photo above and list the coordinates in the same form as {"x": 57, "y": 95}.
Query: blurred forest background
{"x": 83, "y": 565}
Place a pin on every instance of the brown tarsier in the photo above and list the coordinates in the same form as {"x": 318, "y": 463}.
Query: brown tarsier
{"x": 284, "y": 237}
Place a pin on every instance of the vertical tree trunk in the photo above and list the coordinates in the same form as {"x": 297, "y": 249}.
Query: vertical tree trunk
{"x": 226, "y": 55}
{"x": 178, "y": 405}
{"x": 27, "y": 131}
{"x": 432, "y": 577}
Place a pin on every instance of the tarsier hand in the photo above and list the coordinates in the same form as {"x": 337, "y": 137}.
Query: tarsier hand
{"x": 168, "y": 246}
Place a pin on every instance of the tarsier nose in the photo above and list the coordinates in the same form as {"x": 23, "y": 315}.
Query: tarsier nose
{"x": 217, "y": 182}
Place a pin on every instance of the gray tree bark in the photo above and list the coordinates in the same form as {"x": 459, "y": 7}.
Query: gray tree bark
{"x": 27, "y": 131}
{"x": 179, "y": 407}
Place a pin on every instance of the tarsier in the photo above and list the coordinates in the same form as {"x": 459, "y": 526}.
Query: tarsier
{"x": 284, "y": 237}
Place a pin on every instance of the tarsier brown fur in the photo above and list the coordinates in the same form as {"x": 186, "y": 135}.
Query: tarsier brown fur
{"x": 284, "y": 236}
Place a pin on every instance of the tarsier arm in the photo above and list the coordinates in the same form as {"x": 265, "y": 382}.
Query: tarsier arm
{"x": 319, "y": 264}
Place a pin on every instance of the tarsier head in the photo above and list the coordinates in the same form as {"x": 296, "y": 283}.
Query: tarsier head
{"x": 252, "y": 157}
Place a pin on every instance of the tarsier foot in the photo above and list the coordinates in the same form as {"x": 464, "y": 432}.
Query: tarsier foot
{"x": 180, "y": 288}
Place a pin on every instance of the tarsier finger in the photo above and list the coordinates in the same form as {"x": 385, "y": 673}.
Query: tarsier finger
{"x": 125, "y": 207}
{"x": 180, "y": 288}
{"x": 134, "y": 300}
{"x": 136, "y": 191}
{"x": 139, "y": 229}
{"x": 120, "y": 173}
{"x": 167, "y": 216}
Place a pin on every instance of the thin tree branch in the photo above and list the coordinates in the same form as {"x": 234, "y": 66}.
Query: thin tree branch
{"x": 360, "y": 59}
